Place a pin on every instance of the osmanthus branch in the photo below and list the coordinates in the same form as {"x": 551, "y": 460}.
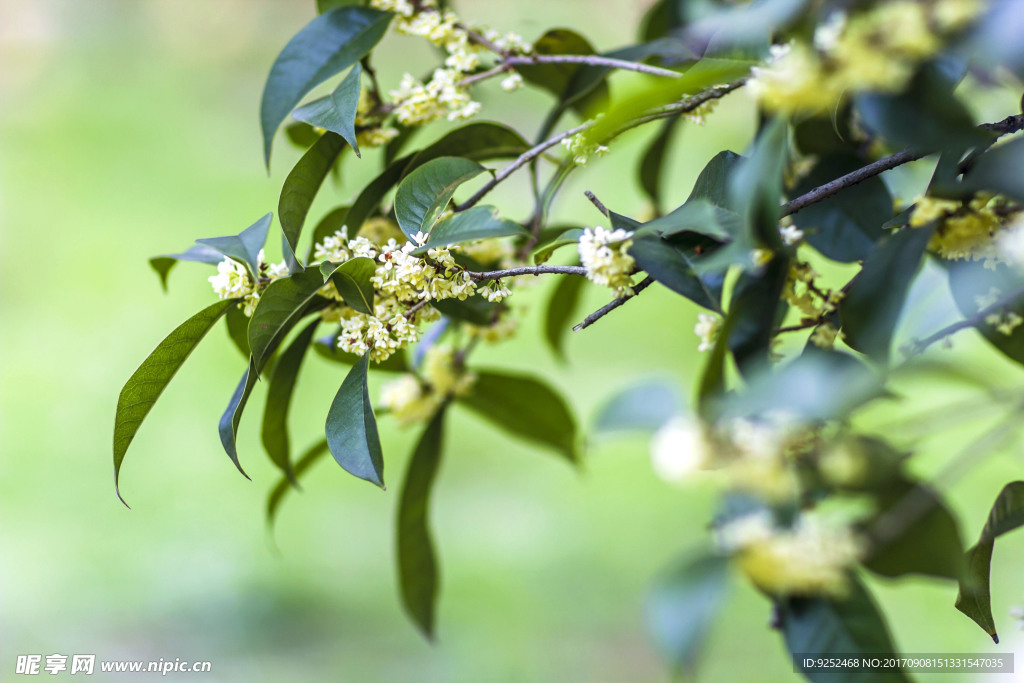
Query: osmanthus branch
{"x": 1000, "y": 306}
{"x": 480, "y": 276}
{"x": 590, "y": 60}
{"x": 612, "y": 305}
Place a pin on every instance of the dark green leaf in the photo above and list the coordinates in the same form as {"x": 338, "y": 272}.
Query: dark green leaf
{"x": 425, "y": 192}
{"x": 682, "y": 605}
{"x": 336, "y": 112}
{"x": 372, "y": 195}
{"x": 417, "y": 561}
{"x": 279, "y": 308}
{"x": 277, "y": 494}
{"x": 846, "y": 226}
{"x": 998, "y": 171}
{"x": 352, "y": 428}
{"x": 558, "y": 318}
{"x": 828, "y": 627}
{"x": 475, "y": 310}
{"x": 326, "y": 46}
{"x": 701, "y": 217}
{"x": 755, "y": 187}
{"x": 971, "y": 281}
{"x": 146, "y": 384}
{"x": 645, "y": 407}
{"x": 872, "y": 305}
{"x": 197, "y": 253}
{"x": 302, "y": 135}
{"x": 670, "y": 267}
{"x": 302, "y": 184}
{"x": 480, "y": 141}
{"x": 245, "y": 246}
{"x": 975, "y": 598}
{"x": 228, "y": 425}
{"x": 238, "y": 329}
{"x": 713, "y": 183}
{"x": 526, "y": 408}
{"x": 755, "y": 311}
{"x": 914, "y": 533}
{"x": 477, "y": 223}
{"x": 652, "y": 163}
{"x": 279, "y": 399}
{"x": 328, "y": 225}
{"x": 352, "y": 280}
{"x": 326, "y": 347}
{"x": 571, "y": 236}
{"x": 560, "y": 78}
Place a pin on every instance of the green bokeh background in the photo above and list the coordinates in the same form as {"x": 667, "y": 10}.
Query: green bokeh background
{"x": 129, "y": 128}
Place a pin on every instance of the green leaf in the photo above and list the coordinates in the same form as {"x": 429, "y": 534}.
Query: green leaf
{"x": 352, "y": 428}
{"x": 372, "y": 195}
{"x": 245, "y": 246}
{"x": 477, "y": 223}
{"x": 713, "y": 183}
{"x": 571, "y": 236}
{"x": 279, "y": 308}
{"x": 652, "y": 163}
{"x": 237, "y": 323}
{"x": 975, "y": 598}
{"x": 670, "y": 267}
{"x": 324, "y": 6}
{"x": 559, "y": 79}
{"x": 336, "y": 112}
{"x": 302, "y": 184}
{"x": 755, "y": 187}
{"x": 998, "y": 171}
{"x": 847, "y": 225}
{"x": 301, "y": 135}
{"x": 284, "y": 484}
{"x": 198, "y": 253}
{"x": 352, "y": 280}
{"x": 914, "y": 533}
{"x": 755, "y": 311}
{"x": 146, "y": 384}
{"x": 417, "y": 561}
{"x": 848, "y": 627}
{"x": 682, "y": 605}
{"x": 326, "y": 46}
{"x": 526, "y": 408}
{"x": 642, "y": 407}
{"x": 274, "y": 432}
{"x": 872, "y": 305}
{"x": 479, "y": 141}
{"x": 425, "y": 192}
{"x": 326, "y": 347}
{"x": 328, "y": 225}
{"x": 475, "y": 310}
{"x": 561, "y": 308}
{"x": 971, "y": 280}
{"x": 228, "y": 425}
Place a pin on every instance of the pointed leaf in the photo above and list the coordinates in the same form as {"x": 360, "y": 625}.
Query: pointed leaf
{"x": 561, "y": 309}
{"x": 336, "y": 112}
{"x": 279, "y": 399}
{"x": 755, "y": 187}
{"x": 279, "y": 308}
{"x": 197, "y": 252}
{"x": 302, "y": 184}
{"x": 284, "y": 484}
{"x": 478, "y": 223}
{"x": 352, "y": 280}
{"x": 670, "y": 267}
{"x": 326, "y": 46}
{"x": 352, "y": 428}
{"x": 417, "y": 561}
{"x": 146, "y": 384}
{"x": 423, "y": 194}
{"x": 245, "y": 246}
{"x": 571, "y": 236}
{"x": 526, "y": 408}
{"x": 975, "y": 598}
{"x": 228, "y": 425}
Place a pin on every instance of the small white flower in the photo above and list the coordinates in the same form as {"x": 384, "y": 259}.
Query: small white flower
{"x": 679, "y": 449}
{"x": 706, "y": 329}
{"x": 605, "y": 255}
{"x": 512, "y": 82}
{"x": 790, "y": 234}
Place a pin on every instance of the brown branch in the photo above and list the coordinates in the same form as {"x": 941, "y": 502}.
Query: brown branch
{"x": 598, "y": 203}
{"x": 611, "y": 306}
{"x": 480, "y": 276}
{"x": 591, "y": 60}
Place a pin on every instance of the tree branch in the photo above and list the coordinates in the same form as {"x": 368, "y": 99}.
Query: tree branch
{"x": 480, "y": 276}
{"x": 611, "y": 306}
{"x": 978, "y": 318}
{"x": 590, "y": 60}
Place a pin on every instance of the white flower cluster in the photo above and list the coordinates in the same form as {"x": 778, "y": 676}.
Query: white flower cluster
{"x": 605, "y": 255}
{"x": 813, "y": 557}
{"x": 232, "y": 281}
{"x": 412, "y": 398}
{"x": 582, "y": 149}
{"x": 707, "y": 327}
{"x": 402, "y": 283}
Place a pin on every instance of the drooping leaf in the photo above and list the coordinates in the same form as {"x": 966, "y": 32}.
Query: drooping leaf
{"x": 478, "y": 141}
{"x": 284, "y": 484}
{"x": 682, "y": 605}
{"x": 326, "y": 347}
{"x": 146, "y": 384}
{"x": 571, "y": 236}
{"x": 228, "y": 425}
{"x": 651, "y": 170}
{"x": 245, "y": 246}
{"x": 336, "y": 112}
{"x": 755, "y": 186}
{"x": 561, "y": 308}
{"x": 526, "y": 408}
{"x": 972, "y": 282}
{"x": 280, "y": 307}
{"x": 645, "y": 407}
{"x": 302, "y": 184}
{"x": 670, "y": 267}
{"x": 326, "y": 46}
{"x": 755, "y": 311}
{"x": 848, "y": 627}
{"x": 274, "y": 432}
{"x": 372, "y": 195}
{"x": 846, "y": 226}
{"x": 425, "y": 192}
{"x": 417, "y": 561}
{"x": 352, "y": 428}
{"x": 975, "y": 598}
{"x": 352, "y": 280}
{"x": 197, "y": 253}
{"x": 872, "y": 305}
{"x": 477, "y": 223}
